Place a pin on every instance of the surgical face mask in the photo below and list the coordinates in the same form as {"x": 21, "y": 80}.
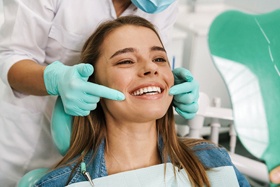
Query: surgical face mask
{"x": 152, "y": 6}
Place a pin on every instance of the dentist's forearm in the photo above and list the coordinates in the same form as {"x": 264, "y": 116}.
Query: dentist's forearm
{"x": 26, "y": 76}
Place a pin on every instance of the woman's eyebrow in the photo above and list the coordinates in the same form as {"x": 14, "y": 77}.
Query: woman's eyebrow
{"x": 132, "y": 50}
{"x": 125, "y": 50}
{"x": 158, "y": 48}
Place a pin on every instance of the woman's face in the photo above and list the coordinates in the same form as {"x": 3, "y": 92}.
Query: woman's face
{"x": 134, "y": 62}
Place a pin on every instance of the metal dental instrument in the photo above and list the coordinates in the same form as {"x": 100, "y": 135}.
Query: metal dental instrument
{"x": 85, "y": 173}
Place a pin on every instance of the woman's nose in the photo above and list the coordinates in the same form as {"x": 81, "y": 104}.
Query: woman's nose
{"x": 150, "y": 68}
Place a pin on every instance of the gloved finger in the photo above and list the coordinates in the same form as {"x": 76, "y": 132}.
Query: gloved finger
{"x": 104, "y": 92}
{"x": 185, "y": 87}
{"x": 182, "y": 75}
{"x": 85, "y": 70}
{"x": 186, "y": 108}
{"x": 83, "y": 107}
{"x": 79, "y": 107}
{"x": 184, "y": 114}
{"x": 89, "y": 99}
{"x": 186, "y": 98}
{"x": 76, "y": 111}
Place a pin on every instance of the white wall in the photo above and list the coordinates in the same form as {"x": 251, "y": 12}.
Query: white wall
{"x": 201, "y": 1}
{"x": 258, "y": 6}
{"x": 1, "y": 22}
{"x": 1, "y": 12}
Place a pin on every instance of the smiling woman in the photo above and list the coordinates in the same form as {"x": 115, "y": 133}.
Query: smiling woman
{"x": 136, "y": 65}
{"x": 138, "y": 132}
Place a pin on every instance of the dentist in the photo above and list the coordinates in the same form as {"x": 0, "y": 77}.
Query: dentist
{"x": 40, "y": 45}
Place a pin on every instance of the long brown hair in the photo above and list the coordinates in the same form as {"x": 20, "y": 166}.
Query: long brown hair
{"x": 88, "y": 132}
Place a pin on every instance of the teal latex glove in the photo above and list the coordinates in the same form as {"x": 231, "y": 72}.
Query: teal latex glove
{"x": 78, "y": 95}
{"x": 30, "y": 178}
{"x": 186, "y": 93}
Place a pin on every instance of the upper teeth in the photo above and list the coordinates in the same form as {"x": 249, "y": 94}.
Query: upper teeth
{"x": 149, "y": 89}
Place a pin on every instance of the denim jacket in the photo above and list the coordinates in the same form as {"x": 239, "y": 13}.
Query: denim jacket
{"x": 210, "y": 155}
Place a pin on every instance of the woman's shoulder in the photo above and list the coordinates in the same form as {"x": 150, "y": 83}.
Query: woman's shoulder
{"x": 212, "y": 155}
{"x": 71, "y": 173}
{"x": 57, "y": 177}
{"x": 205, "y": 145}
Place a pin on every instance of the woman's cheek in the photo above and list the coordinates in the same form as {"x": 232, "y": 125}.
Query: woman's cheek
{"x": 170, "y": 79}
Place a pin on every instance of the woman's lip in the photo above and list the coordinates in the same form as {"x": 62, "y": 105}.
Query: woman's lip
{"x": 147, "y": 85}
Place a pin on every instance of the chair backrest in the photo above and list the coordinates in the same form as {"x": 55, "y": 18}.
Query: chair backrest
{"x": 246, "y": 51}
{"x": 61, "y": 127}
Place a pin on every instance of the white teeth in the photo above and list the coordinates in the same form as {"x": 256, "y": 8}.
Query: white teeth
{"x": 147, "y": 90}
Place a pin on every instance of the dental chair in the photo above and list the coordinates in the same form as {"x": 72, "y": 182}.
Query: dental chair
{"x": 245, "y": 49}
{"x": 61, "y": 122}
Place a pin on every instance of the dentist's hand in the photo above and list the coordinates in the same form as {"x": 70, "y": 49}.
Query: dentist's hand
{"x": 186, "y": 93}
{"x": 78, "y": 95}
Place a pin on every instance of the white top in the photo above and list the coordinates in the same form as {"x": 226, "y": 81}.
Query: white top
{"x": 50, "y": 30}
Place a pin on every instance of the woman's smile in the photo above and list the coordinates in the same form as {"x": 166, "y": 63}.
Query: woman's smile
{"x": 148, "y": 91}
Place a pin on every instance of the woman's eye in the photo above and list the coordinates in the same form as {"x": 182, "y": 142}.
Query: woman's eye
{"x": 125, "y": 62}
{"x": 159, "y": 60}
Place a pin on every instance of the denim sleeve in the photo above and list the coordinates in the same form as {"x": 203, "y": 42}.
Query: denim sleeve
{"x": 212, "y": 156}
{"x": 59, "y": 177}
{"x": 55, "y": 178}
